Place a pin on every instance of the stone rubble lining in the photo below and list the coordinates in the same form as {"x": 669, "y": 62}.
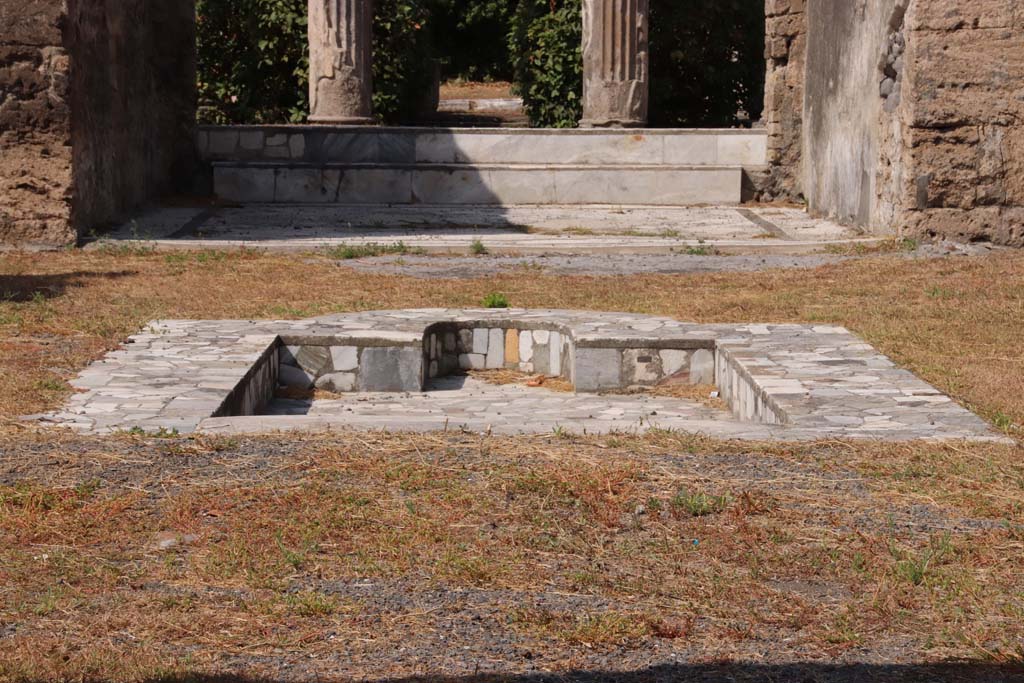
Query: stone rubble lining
{"x": 807, "y": 381}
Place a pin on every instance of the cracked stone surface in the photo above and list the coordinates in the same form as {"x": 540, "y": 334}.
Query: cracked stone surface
{"x": 506, "y": 229}
{"x": 787, "y": 382}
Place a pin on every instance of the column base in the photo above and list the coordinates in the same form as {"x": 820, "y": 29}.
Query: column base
{"x": 342, "y": 120}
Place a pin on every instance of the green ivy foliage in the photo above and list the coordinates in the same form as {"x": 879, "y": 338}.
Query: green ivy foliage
{"x": 471, "y": 38}
{"x": 403, "y": 63}
{"x": 253, "y": 60}
{"x": 545, "y": 42}
{"x": 707, "y": 58}
{"x": 707, "y": 62}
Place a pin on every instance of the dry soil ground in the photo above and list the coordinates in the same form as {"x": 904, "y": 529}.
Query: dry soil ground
{"x": 460, "y": 557}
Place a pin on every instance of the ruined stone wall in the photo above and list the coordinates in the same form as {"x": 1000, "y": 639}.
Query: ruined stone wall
{"x": 786, "y": 52}
{"x": 35, "y": 126}
{"x": 97, "y": 109}
{"x": 913, "y": 117}
{"x": 132, "y": 102}
{"x": 961, "y": 120}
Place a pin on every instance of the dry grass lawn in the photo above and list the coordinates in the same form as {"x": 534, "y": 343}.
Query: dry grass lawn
{"x": 382, "y": 557}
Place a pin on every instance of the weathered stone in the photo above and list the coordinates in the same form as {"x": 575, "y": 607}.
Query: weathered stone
{"x": 781, "y": 381}
{"x": 295, "y": 377}
{"x": 615, "y": 63}
{"x": 391, "y": 368}
{"x": 526, "y": 346}
{"x": 702, "y": 367}
{"x": 511, "y": 346}
{"x": 286, "y": 355}
{"x": 555, "y": 354}
{"x": 495, "y": 349}
{"x": 337, "y": 382}
{"x": 598, "y": 369}
{"x": 61, "y": 62}
{"x": 673, "y": 361}
{"x": 641, "y": 366}
{"x": 340, "y": 61}
{"x": 480, "y": 341}
{"x": 315, "y": 360}
{"x": 344, "y": 358}
{"x": 472, "y": 361}
{"x": 465, "y": 341}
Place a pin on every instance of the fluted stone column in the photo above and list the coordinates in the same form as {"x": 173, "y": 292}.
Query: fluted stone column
{"x": 341, "y": 61}
{"x": 615, "y": 63}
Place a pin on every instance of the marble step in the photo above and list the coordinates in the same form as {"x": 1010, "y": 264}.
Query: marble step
{"x": 478, "y": 146}
{"x": 493, "y": 184}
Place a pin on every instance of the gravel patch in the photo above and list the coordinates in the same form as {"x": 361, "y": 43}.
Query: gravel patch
{"x": 597, "y": 265}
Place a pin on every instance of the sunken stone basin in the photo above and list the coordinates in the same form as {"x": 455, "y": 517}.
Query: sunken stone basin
{"x": 791, "y": 382}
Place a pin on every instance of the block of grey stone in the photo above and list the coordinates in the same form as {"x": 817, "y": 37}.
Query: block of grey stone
{"x": 555, "y": 353}
{"x": 541, "y": 355}
{"x": 244, "y": 183}
{"x": 337, "y": 382}
{"x": 315, "y": 360}
{"x": 702, "y": 367}
{"x": 641, "y": 367}
{"x": 295, "y": 377}
{"x": 251, "y": 140}
{"x": 223, "y": 143}
{"x": 286, "y": 355}
{"x": 673, "y": 361}
{"x": 598, "y": 369}
{"x": 391, "y": 368}
{"x": 495, "y": 349}
{"x": 472, "y": 361}
{"x": 480, "y": 340}
{"x": 526, "y": 346}
{"x": 344, "y": 358}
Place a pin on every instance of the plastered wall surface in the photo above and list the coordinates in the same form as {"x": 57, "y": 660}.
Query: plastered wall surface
{"x": 914, "y": 117}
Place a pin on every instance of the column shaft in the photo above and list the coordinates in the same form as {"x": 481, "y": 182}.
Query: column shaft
{"x": 615, "y": 63}
{"x": 341, "y": 61}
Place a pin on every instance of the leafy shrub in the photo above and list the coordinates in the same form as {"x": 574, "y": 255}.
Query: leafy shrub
{"x": 253, "y": 60}
{"x": 471, "y": 37}
{"x": 547, "y": 56}
{"x": 707, "y": 62}
{"x": 496, "y": 300}
{"x": 404, "y": 75}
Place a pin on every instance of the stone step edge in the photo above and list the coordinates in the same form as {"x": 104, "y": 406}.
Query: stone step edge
{"x": 433, "y": 166}
{"x": 440, "y": 130}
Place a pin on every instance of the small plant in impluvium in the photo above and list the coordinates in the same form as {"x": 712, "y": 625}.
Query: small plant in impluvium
{"x": 496, "y": 300}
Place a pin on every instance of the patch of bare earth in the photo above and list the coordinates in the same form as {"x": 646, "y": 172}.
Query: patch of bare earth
{"x": 454, "y": 557}
{"x": 473, "y": 90}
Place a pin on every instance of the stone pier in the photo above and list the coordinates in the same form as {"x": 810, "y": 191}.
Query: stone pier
{"x": 341, "y": 61}
{"x": 615, "y": 63}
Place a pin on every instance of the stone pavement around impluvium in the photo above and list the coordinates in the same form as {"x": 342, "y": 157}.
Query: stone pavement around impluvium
{"x": 826, "y": 382}
{"x": 507, "y": 229}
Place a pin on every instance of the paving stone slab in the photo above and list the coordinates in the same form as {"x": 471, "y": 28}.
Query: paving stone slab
{"x": 789, "y": 382}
